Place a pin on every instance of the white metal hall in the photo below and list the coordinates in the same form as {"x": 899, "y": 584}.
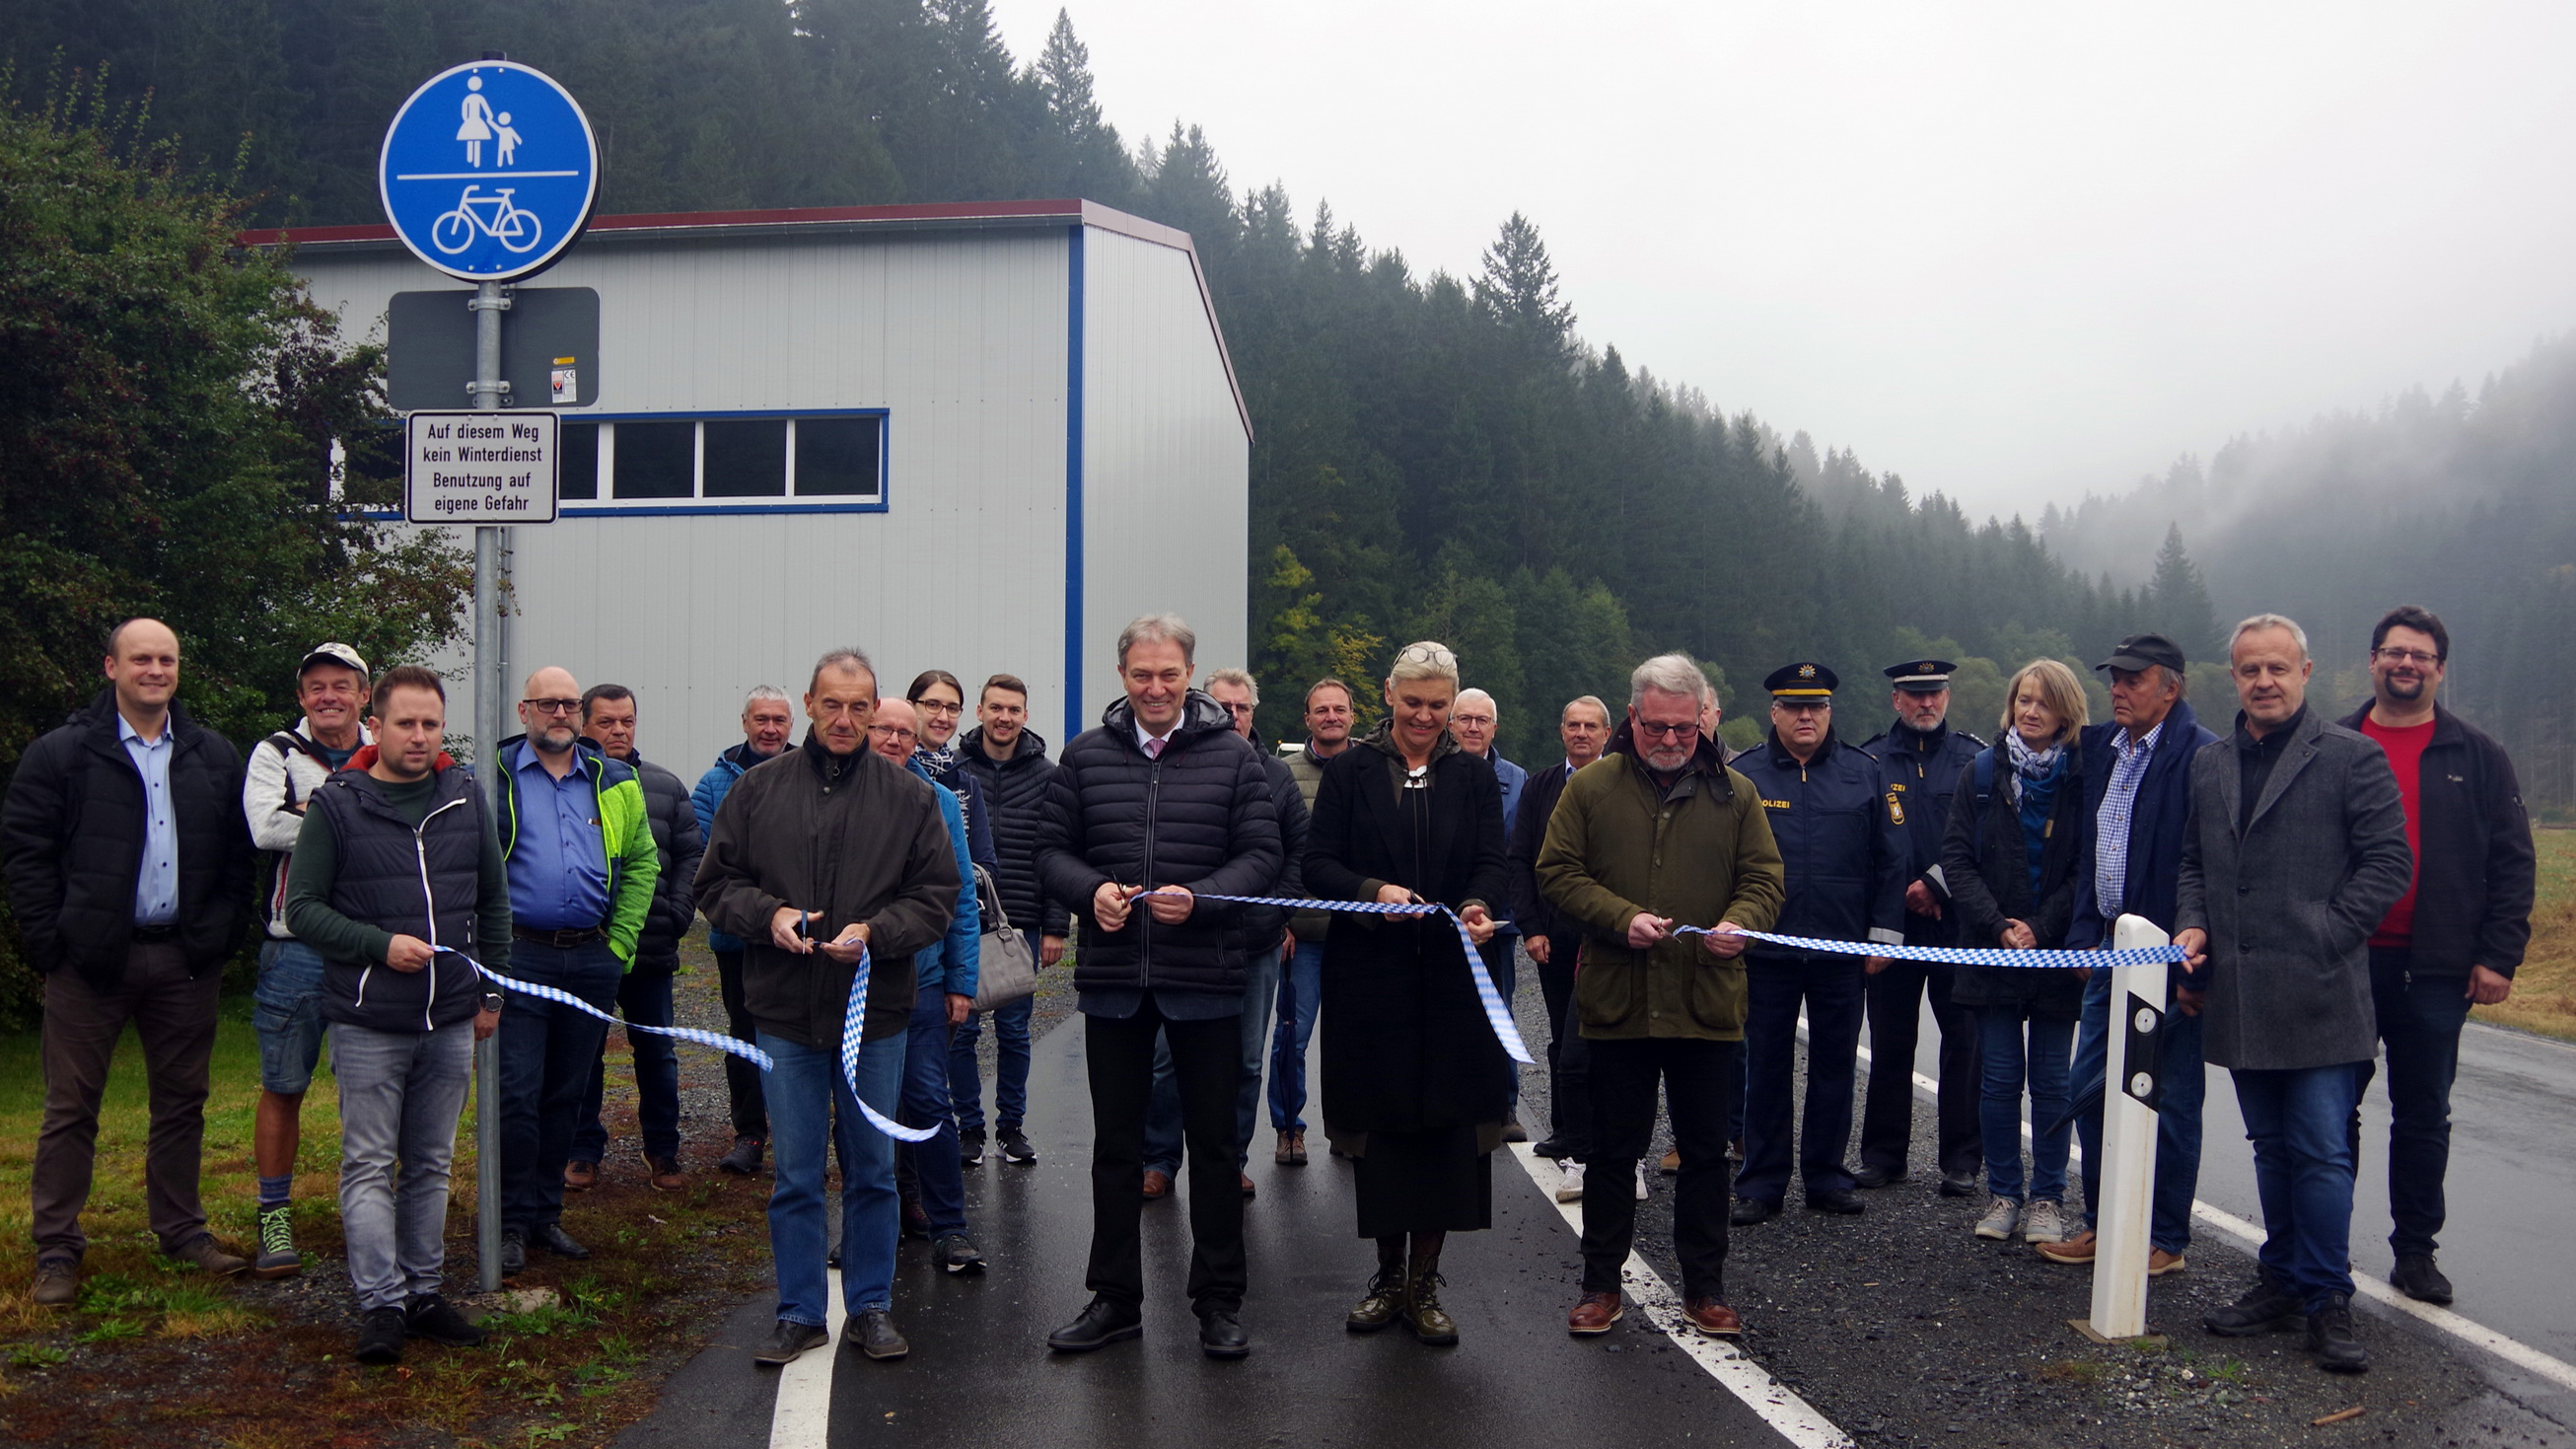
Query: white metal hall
{"x": 972, "y": 437}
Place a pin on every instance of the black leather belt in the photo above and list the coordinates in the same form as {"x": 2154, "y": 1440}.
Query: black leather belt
{"x": 560, "y": 940}
{"x": 154, "y": 935}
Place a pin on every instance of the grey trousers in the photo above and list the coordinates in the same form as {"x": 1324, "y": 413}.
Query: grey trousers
{"x": 400, "y": 1095}
{"x": 174, "y": 1015}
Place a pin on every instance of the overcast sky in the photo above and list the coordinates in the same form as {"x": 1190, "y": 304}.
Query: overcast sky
{"x": 2011, "y": 251}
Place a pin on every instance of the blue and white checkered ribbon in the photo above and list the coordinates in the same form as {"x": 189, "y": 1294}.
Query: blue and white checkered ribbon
{"x": 1495, "y": 1011}
{"x": 854, "y": 1029}
{"x": 1958, "y": 955}
{"x": 716, "y": 1039}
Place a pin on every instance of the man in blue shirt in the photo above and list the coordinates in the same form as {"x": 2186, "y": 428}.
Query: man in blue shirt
{"x": 581, "y": 863}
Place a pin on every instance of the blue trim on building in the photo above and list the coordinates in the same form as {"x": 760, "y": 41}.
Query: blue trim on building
{"x": 1073, "y": 665}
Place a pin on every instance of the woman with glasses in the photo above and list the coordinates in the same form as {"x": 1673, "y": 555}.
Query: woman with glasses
{"x": 1412, "y": 1073}
{"x": 939, "y": 706}
{"x": 2009, "y": 859}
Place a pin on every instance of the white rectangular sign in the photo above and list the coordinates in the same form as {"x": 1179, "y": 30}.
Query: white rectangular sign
{"x": 481, "y": 467}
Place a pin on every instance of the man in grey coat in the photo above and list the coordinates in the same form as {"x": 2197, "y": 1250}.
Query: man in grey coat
{"x": 2295, "y": 849}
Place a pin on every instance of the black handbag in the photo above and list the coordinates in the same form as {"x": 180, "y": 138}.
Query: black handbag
{"x": 1006, "y": 971}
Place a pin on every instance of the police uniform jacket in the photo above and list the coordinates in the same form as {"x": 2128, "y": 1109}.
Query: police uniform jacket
{"x": 1841, "y": 834}
{"x": 1922, "y": 767}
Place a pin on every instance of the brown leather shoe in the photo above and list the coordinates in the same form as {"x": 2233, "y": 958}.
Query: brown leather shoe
{"x": 581, "y": 1176}
{"x": 1595, "y": 1313}
{"x": 666, "y": 1174}
{"x": 1157, "y": 1184}
{"x": 2075, "y": 1252}
{"x": 1672, "y": 1161}
{"x": 1713, "y": 1318}
{"x": 1248, "y": 1189}
{"x": 2160, "y": 1262}
{"x": 209, "y": 1258}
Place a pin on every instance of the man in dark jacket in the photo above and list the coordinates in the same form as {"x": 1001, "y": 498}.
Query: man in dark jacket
{"x": 1922, "y": 757}
{"x": 644, "y": 995}
{"x": 1329, "y": 717}
{"x": 1843, "y": 844}
{"x": 2457, "y": 934}
{"x": 2128, "y": 862}
{"x": 767, "y": 721}
{"x": 398, "y": 882}
{"x": 1163, "y": 797}
{"x": 1553, "y": 942}
{"x": 2295, "y": 851}
{"x": 821, "y": 857}
{"x": 1008, "y": 761}
{"x": 129, "y": 872}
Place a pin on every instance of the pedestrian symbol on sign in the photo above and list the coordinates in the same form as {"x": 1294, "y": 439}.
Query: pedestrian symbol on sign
{"x": 489, "y": 171}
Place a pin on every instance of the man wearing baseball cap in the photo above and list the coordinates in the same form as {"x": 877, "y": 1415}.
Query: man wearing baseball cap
{"x": 284, "y": 771}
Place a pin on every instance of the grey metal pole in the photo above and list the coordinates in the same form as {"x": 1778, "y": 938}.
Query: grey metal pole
{"x": 489, "y": 302}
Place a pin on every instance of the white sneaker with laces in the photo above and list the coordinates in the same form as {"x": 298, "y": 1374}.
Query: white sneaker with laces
{"x": 1571, "y": 1188}
{"x": 2044, "y": 1223}
{"x": 2002, "y": 1216}
{"x": 1641, "y": 1181}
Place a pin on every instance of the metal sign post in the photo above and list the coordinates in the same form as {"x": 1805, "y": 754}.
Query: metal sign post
{"x": 2131, "y": 1087}
{"x": 488, "y": 173}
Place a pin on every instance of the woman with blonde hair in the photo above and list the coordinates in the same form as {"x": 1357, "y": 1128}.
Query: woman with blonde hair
{"x": 2009, "y": 860}
{"x": 1413, "y": 1088}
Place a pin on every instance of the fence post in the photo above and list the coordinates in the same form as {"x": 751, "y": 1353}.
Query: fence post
{"x": 2130, "y": 1089}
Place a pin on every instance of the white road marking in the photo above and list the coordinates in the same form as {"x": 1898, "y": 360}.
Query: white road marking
{"x": 803, "y": 1416}
{"x": 1648, "y": 1293}
{"x": 2467, "y": 1330}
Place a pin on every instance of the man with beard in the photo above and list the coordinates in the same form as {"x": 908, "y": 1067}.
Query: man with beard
{"x": 1008, "y": 763}
{"x": 1329, "y": 717}
{"x": 766, "y": 719}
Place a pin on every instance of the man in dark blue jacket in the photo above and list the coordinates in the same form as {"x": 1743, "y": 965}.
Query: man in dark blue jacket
{"x": 2137, "y": 787}
{"x": 1842, "y": 840}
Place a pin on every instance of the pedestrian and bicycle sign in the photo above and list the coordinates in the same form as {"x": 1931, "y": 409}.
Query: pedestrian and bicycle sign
{"x": 489, "y": 171}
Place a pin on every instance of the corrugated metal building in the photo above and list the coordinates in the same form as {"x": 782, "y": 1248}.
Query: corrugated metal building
{"x": 975, "y": 437}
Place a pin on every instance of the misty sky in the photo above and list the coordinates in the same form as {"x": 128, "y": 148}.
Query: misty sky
{"x": 2011, "y": 251}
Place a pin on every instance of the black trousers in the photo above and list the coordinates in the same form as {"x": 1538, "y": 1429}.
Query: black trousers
{"x": 742, "y": 1078}
{"x": 2419, "y": 1023}
{"x": 1697, "y": 1078}
{"x": 1895, "y": 1017}
{"x": 1569, "y": 1056}
{"x": 1207, "y": 1065}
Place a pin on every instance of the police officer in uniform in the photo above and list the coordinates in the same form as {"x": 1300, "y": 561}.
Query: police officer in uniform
{"x": 1847, "y": 859}
{"x": 1922, "y": 757}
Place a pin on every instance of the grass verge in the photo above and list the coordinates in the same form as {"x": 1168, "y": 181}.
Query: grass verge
{"x": 2544, "y": 990}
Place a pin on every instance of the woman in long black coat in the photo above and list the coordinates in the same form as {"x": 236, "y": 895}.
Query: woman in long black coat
{"x": 1413, "y": 1075}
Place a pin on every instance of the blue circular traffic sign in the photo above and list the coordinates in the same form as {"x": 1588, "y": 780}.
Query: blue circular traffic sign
{"x": 489, "y": 171}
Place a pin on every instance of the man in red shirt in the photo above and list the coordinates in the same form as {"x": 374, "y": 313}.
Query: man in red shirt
{"x": 2457, "y": 934}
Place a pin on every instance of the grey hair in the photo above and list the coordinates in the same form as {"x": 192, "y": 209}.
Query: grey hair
{"x": 2261, "y": 622}
{"x": 1423, "y": 659}
{"x": 1467, "y": 694}
{"x": 760, "y": 692}
{"x": 1593, "y": 700}
{"x": 1667, "y": 674}
{"x": 1166, "y": 627}
{"x": 1707, "y": 688}
{"x": 1231, "y": 675}
{"x": 845, "y": 657}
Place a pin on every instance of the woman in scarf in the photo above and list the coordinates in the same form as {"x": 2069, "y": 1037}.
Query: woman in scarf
{"x": 1412, "y": 1074}
{"x": 2009, "y": 860}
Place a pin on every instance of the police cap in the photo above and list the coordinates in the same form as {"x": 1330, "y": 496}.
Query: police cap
{"x": 1921, "y": 676}
{"x": 1803, "y": 681}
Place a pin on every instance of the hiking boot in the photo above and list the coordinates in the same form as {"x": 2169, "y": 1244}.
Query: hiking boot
{"x": 380, "y": 1336}
{"x": 970, "y": 1147}
{"x": 1015, "y": 1147}
{"x": 434, "y": 1318}
{"x": 277, "y": 1255}
{"x": 666, "y": 1174}
{"x": 2330, "y": 1338}
{"x": 2045, "y": 1222}
{"x": 2002, "y": 1216}
{"x": 1431, "y": 1323}
{"x": 744, "y": 1159}
{"x": 57, "y": 1282}
{"x": 210, "y": 1259}
{"x": 1382, "y": 1304}
{"x": 2416, "y": 1276}
{"x": 2267, "y": 1307}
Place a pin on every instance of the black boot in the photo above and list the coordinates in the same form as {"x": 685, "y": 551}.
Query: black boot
{"x": 2330, "y": 1337}
{"x": 1384, "y": 1301}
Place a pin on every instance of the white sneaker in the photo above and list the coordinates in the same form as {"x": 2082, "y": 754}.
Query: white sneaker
{"x": 1642, "y": 1194}
{"x": 2044, "y": 1223}
{"x": 1571, "y": 1188}
{"x": 2002, "y": 1215}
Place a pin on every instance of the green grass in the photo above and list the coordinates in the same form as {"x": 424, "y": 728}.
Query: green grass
{"x": 2544, "y": 990}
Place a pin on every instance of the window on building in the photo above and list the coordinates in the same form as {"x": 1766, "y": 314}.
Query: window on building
{"x": 580, "y": 446}
{"x": 656, "y": 459}
{"x": 808, "y": 462}
{"x": 837, "y": 457}
{"x": 745, "y": 457}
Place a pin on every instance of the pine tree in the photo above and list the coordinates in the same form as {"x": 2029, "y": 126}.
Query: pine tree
{"x": 2178, "y": 600}
{"x": 1518, "y": 288}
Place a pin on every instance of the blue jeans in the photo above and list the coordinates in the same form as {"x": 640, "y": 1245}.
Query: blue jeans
{"x": 2021, "y": 1049}
{"x": 286, "y": 1011}
{"x": 2301, "y": 1125}
{"x": 1301, "y": 987}
{"x": 1010, "y": 1062}
{"x": 1831, "y": 988}
{"x": 1163, "y": 1109}
{"x": 644, "y": 999}
{"x": 2419, "y": 1020}
{"x": 546, "y": 1054}
{"x": 401, "y": 1093}
{"x": 935, "y": 1164}
{"x": 809, "y": 1106}
{"x": 2177, "y": 1118}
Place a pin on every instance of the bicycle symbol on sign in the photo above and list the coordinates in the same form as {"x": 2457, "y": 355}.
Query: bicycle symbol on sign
{"x": 514, "y": 229}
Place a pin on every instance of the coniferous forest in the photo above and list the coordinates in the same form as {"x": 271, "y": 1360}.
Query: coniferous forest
{"x": 1435, "y": 455}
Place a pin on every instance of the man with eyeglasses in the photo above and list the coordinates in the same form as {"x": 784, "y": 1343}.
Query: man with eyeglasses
{"x": 1842, "y": 839}
{"x": 582, "y": 862}
{"x": 1473, "y": 722}
{"x": 2455, "y": 937}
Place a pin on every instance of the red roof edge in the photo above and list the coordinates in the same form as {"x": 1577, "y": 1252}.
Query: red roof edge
{"x": 1068, "y": 209}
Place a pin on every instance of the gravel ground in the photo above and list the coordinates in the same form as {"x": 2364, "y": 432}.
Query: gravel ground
{"x": 1904, "y": 1328}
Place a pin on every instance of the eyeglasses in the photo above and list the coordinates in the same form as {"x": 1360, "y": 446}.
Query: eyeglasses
{"x": 932, "y": 706}
{"x": 2416, "y": 657}
{"x": 1474, "y": 719}
{"x": 1435, "y": 655}
{"x": 552, "y": 706}
{"x": 891, "y": 732}
{"x": 1239, "y": 711}
{"x": 1667, "y": 731}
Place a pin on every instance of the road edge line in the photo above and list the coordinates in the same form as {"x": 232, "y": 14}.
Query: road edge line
{"x": 802, "y": 1416}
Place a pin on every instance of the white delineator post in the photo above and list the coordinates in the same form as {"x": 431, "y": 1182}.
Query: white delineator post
{"x": 2128, "y": 1137}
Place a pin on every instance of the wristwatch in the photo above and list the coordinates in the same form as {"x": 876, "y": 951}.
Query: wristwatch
{"x": 491, "y": 1001}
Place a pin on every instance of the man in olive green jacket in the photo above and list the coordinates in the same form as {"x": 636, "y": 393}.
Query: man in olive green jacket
{"x": 1659, "y": 833}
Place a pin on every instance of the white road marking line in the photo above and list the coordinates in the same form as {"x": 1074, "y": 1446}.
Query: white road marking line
{"x": 1795, "y": 1419}
{"x": 803, "y": 1416}
{"x": 2460, "y": 1326}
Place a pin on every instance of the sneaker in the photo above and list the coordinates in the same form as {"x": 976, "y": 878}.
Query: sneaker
{"x": 434, "y": 1318}
{"x": 744, "y": 1159}
{"x": 210, "y": 1259}
{"x": 2330, "y": 1338}
{"x": 2044, "y": 1223}
{"x": 580, "y": 1176}
{"x": 1017, "y": 1151}
{"x": 970, "y": 1147}
{"x": 956, "y": 1253}
{"x": 57, "y": 1282}
{"x": 1642, "y": 1194}
{"x": 788, "y": 1341}
{"x": 873, "y": 1333}
{"x": 1570, "y": 1187}
{"x": 666, "y": 1174}
{"x": 2002, "y": 1216}
{"x": 277, "y": 1255}
{"x": 380, "y": 1336}
{"x": 2160, "y": 1262}
{"x": 2077, "y": 1251}
{"x": 2267, "y": 1307}
{"x": 2418, "y": 1278}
